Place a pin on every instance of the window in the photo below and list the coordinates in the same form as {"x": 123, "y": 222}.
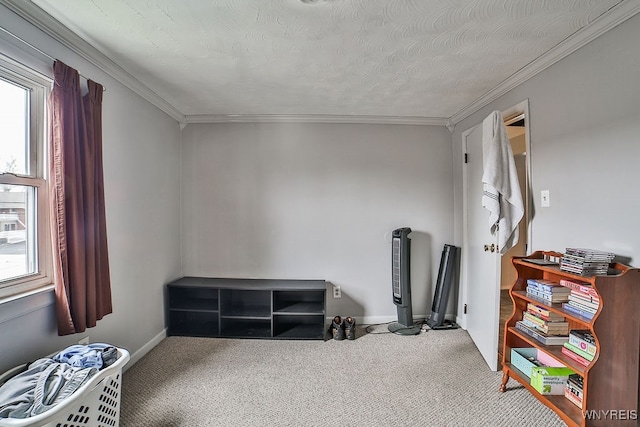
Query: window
{"x": 25, "y": 260}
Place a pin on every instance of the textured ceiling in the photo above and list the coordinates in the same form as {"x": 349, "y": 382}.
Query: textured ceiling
{"x": 408, "y": 58}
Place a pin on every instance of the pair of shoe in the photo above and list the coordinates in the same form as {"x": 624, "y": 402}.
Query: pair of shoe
{"x": 343, "y": 328}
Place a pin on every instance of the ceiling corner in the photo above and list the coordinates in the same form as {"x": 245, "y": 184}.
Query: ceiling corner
{"x": 607, "y": 21}
{"x": 53, "y": 28}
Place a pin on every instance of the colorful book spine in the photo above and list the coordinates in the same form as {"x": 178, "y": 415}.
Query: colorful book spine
{"x": 584, "y": 301}
{"x": 578, "y": 351}
{"x": 587, "y": 347}
{"x": 576, "y": 357}
{"x": 578, "y": 286}
{"x": 559, "y": 340}
{"x": 585, "y": 296}
{"x": 578, "y": 311}
{"x": 546, "y": 296}
{"x": 549, "y": 328}
{"x": 573, "y": 398}
{"x": 544, "y": 313}
{"x": 546, "y": 286}
{"x": 581, "y": 306}
{"x": 553, "y": 318}
{"x": 584, "y": 334}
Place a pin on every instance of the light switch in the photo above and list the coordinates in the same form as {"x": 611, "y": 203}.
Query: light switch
{"x": 545, "y": 201}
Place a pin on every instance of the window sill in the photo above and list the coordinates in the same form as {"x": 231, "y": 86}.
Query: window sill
{"x": 25, "y": 303}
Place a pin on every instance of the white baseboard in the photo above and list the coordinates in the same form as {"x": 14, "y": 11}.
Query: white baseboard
{"x": 145, "y": 349}
{"x": 378, "y": 320}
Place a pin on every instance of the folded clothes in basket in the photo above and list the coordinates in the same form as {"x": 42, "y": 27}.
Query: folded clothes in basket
{"x": 48, "y": 381}
{"x": 96, "y": 355}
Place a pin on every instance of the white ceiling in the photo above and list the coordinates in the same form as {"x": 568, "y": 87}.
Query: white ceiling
{"x": 414, "y": 59}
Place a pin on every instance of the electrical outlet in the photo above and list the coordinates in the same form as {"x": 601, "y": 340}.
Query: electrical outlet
{"x": 545, "y": 201}
{"x": 337, "y": 293}
{"x": 84, "y": 341}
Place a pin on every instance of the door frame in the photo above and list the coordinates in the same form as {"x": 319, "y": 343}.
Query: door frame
{"x": 516, "y": 110}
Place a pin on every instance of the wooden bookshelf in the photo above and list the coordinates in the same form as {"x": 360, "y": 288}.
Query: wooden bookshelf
{"x": 611, "y": 379}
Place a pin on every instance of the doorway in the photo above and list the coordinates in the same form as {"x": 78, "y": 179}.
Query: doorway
{"x": 486, "y": 275}
{"x": 518, "y": 136}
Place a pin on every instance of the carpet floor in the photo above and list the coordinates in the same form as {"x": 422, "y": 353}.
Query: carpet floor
{"x": 436, "y": 378}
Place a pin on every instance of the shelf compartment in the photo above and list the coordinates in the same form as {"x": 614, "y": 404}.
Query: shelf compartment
{"x": 554, "y": 351}
{"x": 555, "y": 307}
{"x": 193, "y": 298}
{"x": 292, "y": 302}
{"x": 245, "y": 327}
{"x": 568, "y": 411}
{"x": 245, "y": 303}
{"x": 193, "y": 323}
{"x": 298, "y": 326}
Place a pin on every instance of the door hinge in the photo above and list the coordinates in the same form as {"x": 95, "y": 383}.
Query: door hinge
{"x": 465, "y": 309}
{"x": 466, "y": 158}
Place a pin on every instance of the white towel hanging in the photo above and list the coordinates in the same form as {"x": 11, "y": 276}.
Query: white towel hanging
{"x": 501, "y": 187}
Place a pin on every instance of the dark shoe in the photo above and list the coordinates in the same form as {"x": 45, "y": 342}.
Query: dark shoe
{"x": 350, "y": 328}
{"x": 337, "y": 328}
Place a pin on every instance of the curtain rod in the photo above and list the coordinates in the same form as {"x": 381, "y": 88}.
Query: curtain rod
{"x": 41, "y": 52}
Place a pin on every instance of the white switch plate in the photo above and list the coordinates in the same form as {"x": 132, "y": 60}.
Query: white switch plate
{"x": 545, "y": 201}
{"x": 337, "y": 292}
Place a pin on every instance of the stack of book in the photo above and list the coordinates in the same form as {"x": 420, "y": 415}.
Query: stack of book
{"x": 573, "y": 389}
{"x": 548, "y": 291}
{"x": 580, "y": 347}
{"x": 586, "y": 262}
{"x": 541, "y": 336}
{"x": 545, "y": 321}
{"x": 583, "y": 299}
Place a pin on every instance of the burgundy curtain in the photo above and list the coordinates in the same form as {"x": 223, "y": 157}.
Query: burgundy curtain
{"x": 81, "y": 262}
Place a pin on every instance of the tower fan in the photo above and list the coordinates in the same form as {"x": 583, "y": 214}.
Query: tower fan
{"x": 401, "y": 282}
{"x": 443, "y": 288}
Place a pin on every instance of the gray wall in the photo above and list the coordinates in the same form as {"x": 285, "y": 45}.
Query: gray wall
{"x": 316, "y": 201}
{"x": 141, "y": 173}
{"x": 584, "y": 146}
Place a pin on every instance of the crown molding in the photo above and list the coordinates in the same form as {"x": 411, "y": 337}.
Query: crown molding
{"x": 610, "y": 19}
{"x": 53, "y": 28}
{"x": 315, "y": 118}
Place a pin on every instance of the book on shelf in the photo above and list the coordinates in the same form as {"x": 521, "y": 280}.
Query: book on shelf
{"x": 544, "y": 313}
{"x": 581, "y": 306}
{"x": 586, "y": 345}
{"x": 549, "y": 328}
{"x": 547, "y": 286}
{"x": 546, "y": 296}
{"x": 580, "y": 288}
{"x": 573, "y": 389}
{"x": 575, "y": 357}
{"x": 577, "y": 381}
{"x": 584, "y": 334}
{"x": 581, "y": 301}
{"x": 570, "y": 308}
{"x": 572, "y": 398}
{"x": 586, "y": 297}
{"x": 540, "y": 336}
{"x": 578, "y": 351}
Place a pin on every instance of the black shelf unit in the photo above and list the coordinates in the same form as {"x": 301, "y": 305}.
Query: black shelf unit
{"x": 246, "y": 308}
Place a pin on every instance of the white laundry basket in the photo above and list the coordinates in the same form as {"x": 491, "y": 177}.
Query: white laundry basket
{"x": 95, "y": 404}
